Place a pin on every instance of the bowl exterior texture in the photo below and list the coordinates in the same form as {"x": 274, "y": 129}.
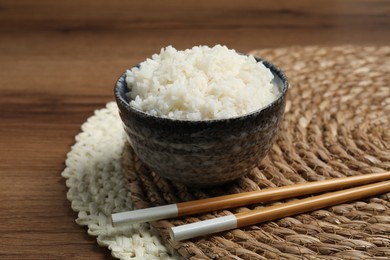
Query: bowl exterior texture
{"x": 202, "y": 153}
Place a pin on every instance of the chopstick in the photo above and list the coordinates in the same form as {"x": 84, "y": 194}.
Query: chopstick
{"x": 245, "y": 198}
{"x": 251, "y": 217}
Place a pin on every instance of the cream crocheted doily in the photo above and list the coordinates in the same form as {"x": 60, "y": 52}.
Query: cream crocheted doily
{"x": 98, "y": 188}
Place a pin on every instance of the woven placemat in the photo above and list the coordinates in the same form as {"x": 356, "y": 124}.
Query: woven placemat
{"x": 336, "y": 124}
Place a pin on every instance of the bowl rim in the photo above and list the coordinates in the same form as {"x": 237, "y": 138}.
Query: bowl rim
{"x": 122, "y": 100}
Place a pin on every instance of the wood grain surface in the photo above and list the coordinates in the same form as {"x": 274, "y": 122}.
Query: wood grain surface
{"x": 59, "y": 61}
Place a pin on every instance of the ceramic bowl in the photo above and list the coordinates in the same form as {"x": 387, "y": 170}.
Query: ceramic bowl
{"x": 203, "y": 153}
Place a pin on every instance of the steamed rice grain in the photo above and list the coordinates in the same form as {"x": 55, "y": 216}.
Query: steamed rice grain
{"x": 201, "y": 83}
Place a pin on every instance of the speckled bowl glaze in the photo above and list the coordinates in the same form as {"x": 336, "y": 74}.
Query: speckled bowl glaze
{"x": 203, "y": 153}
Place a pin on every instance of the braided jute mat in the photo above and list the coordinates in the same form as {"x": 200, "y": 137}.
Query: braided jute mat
{"x": 336, "y": 124}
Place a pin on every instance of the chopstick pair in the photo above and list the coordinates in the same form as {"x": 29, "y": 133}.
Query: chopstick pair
{"x": 263, "y": 214}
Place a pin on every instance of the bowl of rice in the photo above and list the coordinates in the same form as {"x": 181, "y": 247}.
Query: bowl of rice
{"x": 202, "y": 116}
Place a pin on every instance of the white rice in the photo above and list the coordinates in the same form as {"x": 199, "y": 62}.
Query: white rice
{"x": 201, "y": 83}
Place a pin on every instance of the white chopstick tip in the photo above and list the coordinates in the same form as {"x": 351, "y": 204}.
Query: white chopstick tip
{"x": 202, "y": 228}
{"x": 145, "y": 215}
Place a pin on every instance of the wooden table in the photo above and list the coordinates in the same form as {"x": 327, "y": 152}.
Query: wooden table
{"x": 59, "y": 61}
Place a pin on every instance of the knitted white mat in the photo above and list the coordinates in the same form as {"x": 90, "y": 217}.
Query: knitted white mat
{"x": 98, "y": 188}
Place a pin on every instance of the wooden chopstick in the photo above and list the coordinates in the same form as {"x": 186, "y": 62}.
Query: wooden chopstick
{"x": 245, "y": 198}
{"x": 251, "y": 217}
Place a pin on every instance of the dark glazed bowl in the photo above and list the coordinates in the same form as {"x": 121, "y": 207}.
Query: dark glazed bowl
{"x": 203, "y": 153}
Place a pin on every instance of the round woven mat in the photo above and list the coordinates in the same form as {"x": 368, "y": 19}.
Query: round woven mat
{"x": 336, "y": 124}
